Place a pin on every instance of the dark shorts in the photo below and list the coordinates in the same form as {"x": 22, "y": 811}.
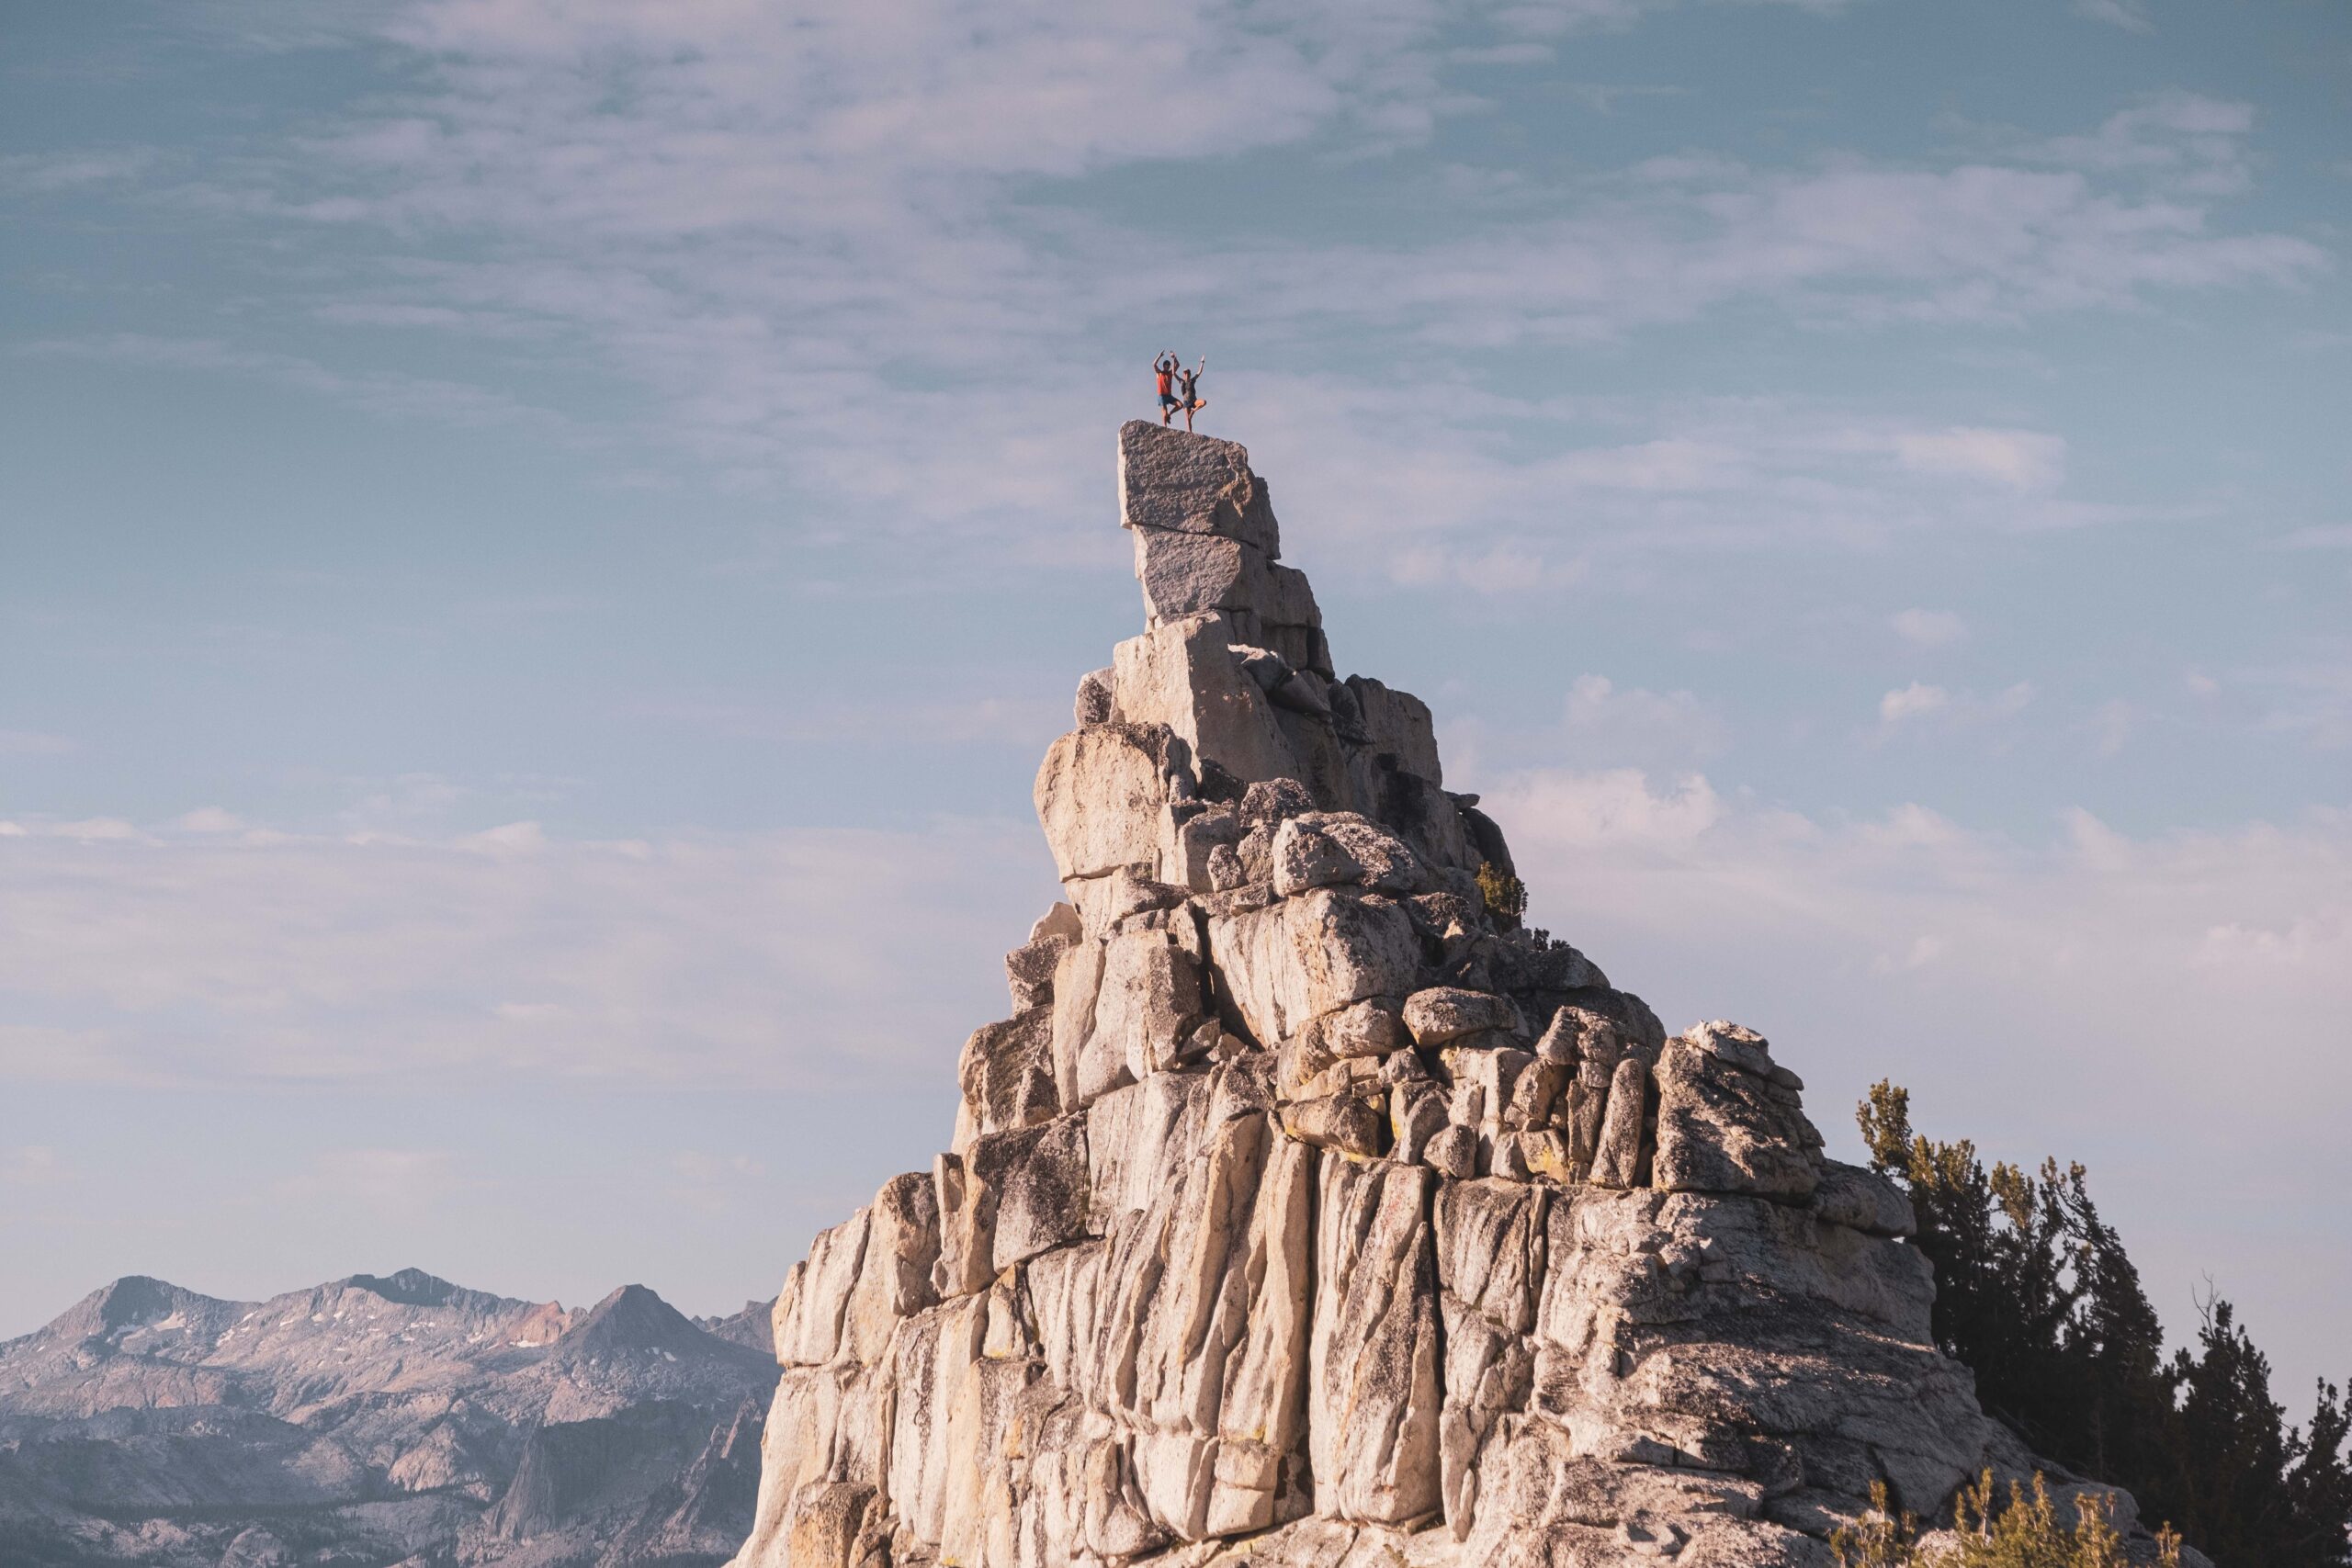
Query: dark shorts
{"x": 1168, "y": 400}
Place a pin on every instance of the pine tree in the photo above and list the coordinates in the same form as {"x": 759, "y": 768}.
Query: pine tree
{"x": 2259, "y": 1490}
{"x": 2319, "y": 1483}
{"x": 2035, "y": 1294}
{"x": 2116, "y": 1342}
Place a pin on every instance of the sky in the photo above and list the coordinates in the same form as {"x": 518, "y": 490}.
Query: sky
{"x": 542, "y": 541}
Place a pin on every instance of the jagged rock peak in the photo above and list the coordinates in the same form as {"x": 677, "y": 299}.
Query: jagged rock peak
{"x": 634, "y": 1318}
{"x": 1309, "y": 1210}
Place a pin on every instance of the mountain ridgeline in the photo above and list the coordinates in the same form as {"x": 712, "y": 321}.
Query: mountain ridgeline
{"x": 378, "y": 1420}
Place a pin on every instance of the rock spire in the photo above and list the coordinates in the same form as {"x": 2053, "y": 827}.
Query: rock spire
{"x": 1309, "y": 1210}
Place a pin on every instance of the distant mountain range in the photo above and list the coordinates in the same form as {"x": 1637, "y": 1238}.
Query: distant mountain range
{"x": 379, "y": 1421}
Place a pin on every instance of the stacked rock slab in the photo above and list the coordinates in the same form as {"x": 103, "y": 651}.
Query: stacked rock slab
{"x": 1308, "y": 1212}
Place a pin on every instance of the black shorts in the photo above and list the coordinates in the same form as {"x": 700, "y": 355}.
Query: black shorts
{"x": 1168, "y": 400}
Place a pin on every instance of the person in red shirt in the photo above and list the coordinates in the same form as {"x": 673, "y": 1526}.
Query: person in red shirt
{"x": 1165, "y": 367}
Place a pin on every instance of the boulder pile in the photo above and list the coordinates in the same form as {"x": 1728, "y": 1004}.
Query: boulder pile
{"x": 1309, "y": 1209}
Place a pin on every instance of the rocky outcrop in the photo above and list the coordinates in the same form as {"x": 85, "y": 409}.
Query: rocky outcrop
{"x": 1308, "y": 1210}
{"x": 379, "y": 1420}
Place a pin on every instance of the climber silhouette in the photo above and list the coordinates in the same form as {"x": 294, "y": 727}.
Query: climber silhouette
{"x": 1164, "y": 368}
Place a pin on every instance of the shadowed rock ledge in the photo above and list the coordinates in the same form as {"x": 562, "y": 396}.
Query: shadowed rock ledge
{"x": 1307, "y": 1211}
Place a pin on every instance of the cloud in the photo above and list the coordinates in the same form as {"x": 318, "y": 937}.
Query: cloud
{"x": 2022, "y": 459}
{"x": 33, "y": 743}
{"x": 405, "y": 803}
{"x": 2100, "y": 220}
{"x": 2184, "y": 144}
{"x": 800, "y": 231}
{"x": 73, "y": 170}
{"x": 265, "y": 27}
{"x": 788, "y": 240}
{"x": 89, "y": 830}
{"x": 507, "y": 839}
{"x": 2132, "y": 16}
{"x": 1912, "y": 702}
{"x": 1919, "y": 701}
{"x": 2284, "y": 954}
{"x": 1929, "y": 628}
{"x": 2008, "y": 700}
{"x": 1607, "y": 724}
{"x": 196, "y": 955}
{"x": 2311, "y": 700}
{"x": 1429, "y": 492}
{"x": 1615, "y": 806}
{"x": 388, "y": 394}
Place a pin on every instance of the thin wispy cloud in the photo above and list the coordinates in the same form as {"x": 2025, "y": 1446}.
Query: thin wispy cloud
{"x": 198, "y": 954}
{"x": 1405, "y": 487}
{"x": 388, "y": 394}
{"x": 799, "y": 228}
{"x": 52, "y": 172}
{"x": 2132, "y": 16}
{"x": 2310, "y": 700}
{"x": 2021, "y": 459}
{"x": 1911, "y": 707}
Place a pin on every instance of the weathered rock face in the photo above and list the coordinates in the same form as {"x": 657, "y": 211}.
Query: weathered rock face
{"x": 1306, "y": 1212}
